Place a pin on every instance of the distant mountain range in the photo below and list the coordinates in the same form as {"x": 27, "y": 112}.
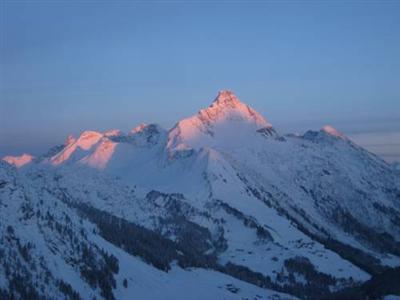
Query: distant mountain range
{"x": 221, "y": 206}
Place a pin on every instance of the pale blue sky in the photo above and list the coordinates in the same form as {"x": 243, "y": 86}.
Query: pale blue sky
{"x": 67, "y": 66}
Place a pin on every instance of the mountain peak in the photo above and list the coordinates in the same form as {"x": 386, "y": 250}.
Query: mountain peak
{"x": 227, "y": 106}
{"x": 328, "y": 129}
{"x": 112, "y": 133}
{"x": 226, "y": 122}
{"x": 147, "y": 129}
{"x": 139, "y": 128}
{"x": 326, "y": 133}
{"x": 85, "y": 142}
{"x": 19, "y": 161}
{"x": 226, "y": 97}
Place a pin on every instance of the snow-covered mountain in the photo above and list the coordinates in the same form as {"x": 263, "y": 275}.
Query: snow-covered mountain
{"x": 221, "y": 201}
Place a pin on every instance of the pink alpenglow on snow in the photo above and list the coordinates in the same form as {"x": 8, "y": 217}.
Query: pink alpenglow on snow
{"x": 70, "y": 140}
{"x": 332, "y": 131}
{"x": 102, "y": 154}
{"x": 139, "y": 128}
{"x": 19, "y": 161}
{"x": 228, "y": 107}
{"x": 113, "y": 132}
{"x": 225, "y": 122}
{"x": 83, "y": 143}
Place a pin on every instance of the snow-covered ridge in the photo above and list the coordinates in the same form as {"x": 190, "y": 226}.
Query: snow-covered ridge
{"x": 19, "y": 161}
{"x": 328, "y": 129}
{"x": 84, "y": 143}
{"x": 226, "y": 123}
{"x": 97, "y": 149}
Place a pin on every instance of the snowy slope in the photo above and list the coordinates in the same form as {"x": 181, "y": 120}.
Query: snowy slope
{"x": 46, "y": 240}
